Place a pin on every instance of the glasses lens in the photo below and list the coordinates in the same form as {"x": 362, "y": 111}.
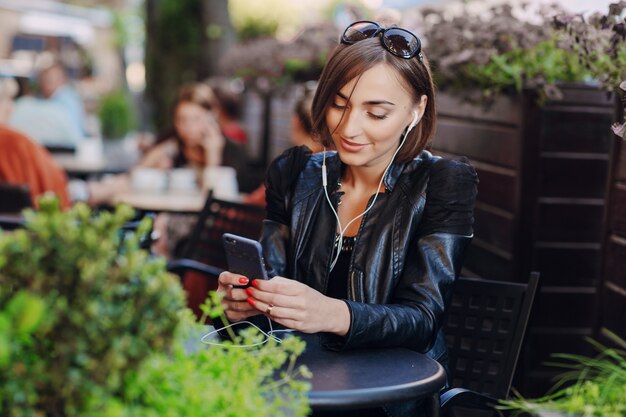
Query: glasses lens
{"x": 359, "y": 31}
{"x": 401, "y": 42}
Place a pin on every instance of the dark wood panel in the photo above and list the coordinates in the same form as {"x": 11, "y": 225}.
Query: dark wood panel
{"x": 494, "y": 228}
{"x": 496, "y": 187}
{"x": 542, "y": 345}
{"x": 573, "y": 178}
{"x": 620, "y": 173}
{"x": 617, "y": 216}
{"x": 614, "y": 312}
{"x": 562, "y": 309}
{"x": 505, "y": 109}
{"x": 487, "y": 264}
{"x": 497, "y": 145}
{"x": 615, "y": 262}
{"x": 569, "y": 223}
{"x": 568, "y": 267}
{"x": 579, "y": 94}
{"x": 575, "y": 132}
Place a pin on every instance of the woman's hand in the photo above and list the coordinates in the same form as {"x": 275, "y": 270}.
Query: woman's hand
{"x": 213, "y": 143}
{"x": 298, "y": 306}
{"x": 234, "y": 301}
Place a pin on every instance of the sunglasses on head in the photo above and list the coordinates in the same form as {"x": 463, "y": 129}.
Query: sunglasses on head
{"x": 398, "y": 41}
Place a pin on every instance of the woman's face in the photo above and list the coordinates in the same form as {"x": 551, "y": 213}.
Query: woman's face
{"x": 191, "y": 122}
{"x": 379, "y": 110}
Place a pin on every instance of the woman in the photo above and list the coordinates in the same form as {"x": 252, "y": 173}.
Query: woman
{"x": 196, "y": 140}
{"x": 365, "y": 243}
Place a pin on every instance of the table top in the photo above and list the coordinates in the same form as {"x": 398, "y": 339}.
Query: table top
{"x": 170, "y": 201}
{"x": 362, "y": 378}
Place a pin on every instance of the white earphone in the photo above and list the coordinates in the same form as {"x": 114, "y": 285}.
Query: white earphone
{"x": 342, "y": 230}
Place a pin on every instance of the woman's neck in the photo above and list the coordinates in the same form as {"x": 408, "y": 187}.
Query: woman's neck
{"x": 362, "y": 179}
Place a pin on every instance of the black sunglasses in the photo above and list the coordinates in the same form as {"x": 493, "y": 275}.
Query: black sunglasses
{"x": 398, "y": 41}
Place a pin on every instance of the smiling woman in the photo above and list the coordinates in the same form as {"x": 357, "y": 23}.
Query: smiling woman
{"x": 365, "y": 242}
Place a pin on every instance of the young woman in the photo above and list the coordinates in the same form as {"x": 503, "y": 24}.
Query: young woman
{"x": 365, "y": 243}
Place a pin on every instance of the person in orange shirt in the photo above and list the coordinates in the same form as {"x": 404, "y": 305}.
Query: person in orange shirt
{"x": 22, "y": 160}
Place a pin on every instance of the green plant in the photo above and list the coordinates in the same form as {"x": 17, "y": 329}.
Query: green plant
{"x": 90, "y": 324}
{"x": 117, "y": 115}
{"x": 598, "y": 385}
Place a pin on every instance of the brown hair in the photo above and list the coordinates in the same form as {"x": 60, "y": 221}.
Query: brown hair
{"x": 349, "y": 61}
{"x": 197, "y": 93}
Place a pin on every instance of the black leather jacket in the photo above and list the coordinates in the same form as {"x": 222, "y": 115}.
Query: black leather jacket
{"x": 408, "y": 252}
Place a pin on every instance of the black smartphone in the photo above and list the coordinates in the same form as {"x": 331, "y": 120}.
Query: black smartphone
{"x": 244, "y": 256}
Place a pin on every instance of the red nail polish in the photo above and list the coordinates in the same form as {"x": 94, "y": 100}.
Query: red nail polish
{"x": 249, "y": 292}
{"x": 255, "y": 284}
{"x": 243, "y": 280}
{"x": 250, "y": 301}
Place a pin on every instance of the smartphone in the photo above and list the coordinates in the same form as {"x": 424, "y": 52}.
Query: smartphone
{"x": 244, "y": 256}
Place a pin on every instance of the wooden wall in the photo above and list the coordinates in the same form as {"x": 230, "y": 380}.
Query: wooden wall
{"x": 542, "y": 193}
{"x": 613, "y": 311}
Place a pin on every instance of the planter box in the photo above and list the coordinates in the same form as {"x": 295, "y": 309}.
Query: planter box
{"x": 542, "y": 194}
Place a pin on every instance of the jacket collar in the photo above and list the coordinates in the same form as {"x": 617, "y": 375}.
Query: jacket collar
{"x": 335, "y": 167}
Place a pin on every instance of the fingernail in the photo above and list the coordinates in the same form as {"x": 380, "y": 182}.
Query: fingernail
{"x": 249, "y": 291}
{"x": 243, "y": 280}
{"x": 255, "y": 284}
{"x": 250, "y": 301}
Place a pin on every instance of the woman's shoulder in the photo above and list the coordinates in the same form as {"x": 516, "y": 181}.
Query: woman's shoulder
{"x": 442, "y": 170}
{"x": 291, "y": 162}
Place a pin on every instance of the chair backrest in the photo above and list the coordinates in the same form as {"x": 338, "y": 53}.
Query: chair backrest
{"x": 14, "y": 198}
{"x": 216, "y": 218}
{"x": 485, "y": 326}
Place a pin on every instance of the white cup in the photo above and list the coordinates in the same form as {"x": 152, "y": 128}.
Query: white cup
{"x": 148, "y": 180}
{"x": 222, "y": 180}
{"x": 183, "y": 179}
{"x": 89, "y": 150}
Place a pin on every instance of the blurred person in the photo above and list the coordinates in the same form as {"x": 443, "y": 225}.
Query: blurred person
{"x": 301, "y": 134}
{"x": 55, "y": 86}
{"x": 228, "y": 111}
{"x": 196, "y": 139}
{"x": 22, "y": 160}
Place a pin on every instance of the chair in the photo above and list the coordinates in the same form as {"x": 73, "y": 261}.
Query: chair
{"x": 485, "y": 326}
{"x": 201, "y": 258}
{"x": 14, "y": 198}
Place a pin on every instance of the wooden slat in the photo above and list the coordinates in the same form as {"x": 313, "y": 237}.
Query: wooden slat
{"x": 496, "y": 187}
{"x": 486, "y": 143}
{"x": 548, "y": 343}
{"x": 573, "y": 178}
{"x": 584, "y": 95}
{"x": 614, "y": 312}
{"x": 617, "y": 210}
{"x": 569, "y": 222}
{"x": 488, "y": 264}
{"x": 575, "y": 132}
{"x": 564, "y": 310}
{"x": 494, "y": 227}
{"x": 615, "y": 261}
{"x": 506, "y": 110}
{"x": 620, "y": 175}
{"x": 568, "y": 267}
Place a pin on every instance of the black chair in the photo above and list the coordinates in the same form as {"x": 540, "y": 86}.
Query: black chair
{"x": 14, "y": 198}
{"x": 199, "y": 259}
{"x": 485, "y": 326}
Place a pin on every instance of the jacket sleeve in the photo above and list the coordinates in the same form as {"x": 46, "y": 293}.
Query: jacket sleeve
{"x": 280, "y": 180}
{"x": 433, "y": 261}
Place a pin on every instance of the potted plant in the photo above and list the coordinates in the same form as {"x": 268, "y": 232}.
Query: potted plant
{"x": 592, "y": 386}
{"x": 117, "y": 116}
{"x": 528, "y": 113}
{"x": 90, "y": 324}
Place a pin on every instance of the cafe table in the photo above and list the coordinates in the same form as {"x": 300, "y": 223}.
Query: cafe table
{"x": 363, "y": 378}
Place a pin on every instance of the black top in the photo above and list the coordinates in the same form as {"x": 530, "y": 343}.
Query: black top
{"x": 338, "y": 278}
